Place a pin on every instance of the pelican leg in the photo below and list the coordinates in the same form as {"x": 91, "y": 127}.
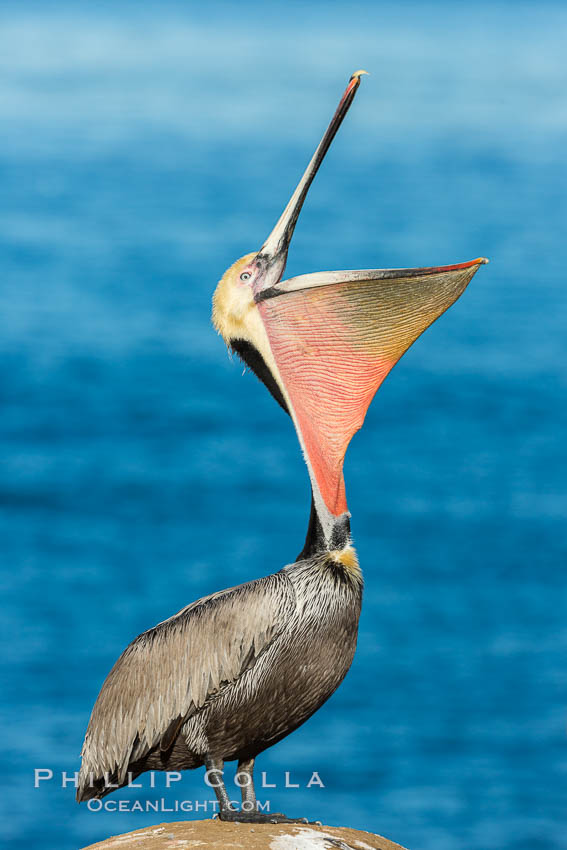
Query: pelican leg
{"x": 245, "y": 773}
{"x": 214, "y": 773}
{"x": 249, "y": 812}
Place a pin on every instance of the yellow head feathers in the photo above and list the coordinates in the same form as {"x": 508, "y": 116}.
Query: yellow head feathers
{"x": 233, "y": 302}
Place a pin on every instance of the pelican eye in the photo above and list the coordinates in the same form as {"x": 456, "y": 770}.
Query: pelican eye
{"x": 245, "y": 276}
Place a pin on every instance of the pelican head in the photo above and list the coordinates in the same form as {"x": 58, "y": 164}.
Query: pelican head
{"x": 323, "y": 343}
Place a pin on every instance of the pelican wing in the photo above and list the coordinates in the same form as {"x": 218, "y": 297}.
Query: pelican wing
{"x": 168, "y": 673}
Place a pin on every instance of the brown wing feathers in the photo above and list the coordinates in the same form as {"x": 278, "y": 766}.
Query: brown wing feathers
{"x": 171, "y": 670}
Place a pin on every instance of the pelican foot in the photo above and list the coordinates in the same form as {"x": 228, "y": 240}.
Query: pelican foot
{"x": 260, "y": 817}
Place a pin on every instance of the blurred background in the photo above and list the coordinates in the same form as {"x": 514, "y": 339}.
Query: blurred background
{"x": 144, "y": 147}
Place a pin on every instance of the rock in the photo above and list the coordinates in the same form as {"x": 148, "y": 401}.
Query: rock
{"x": 215, "y": 834}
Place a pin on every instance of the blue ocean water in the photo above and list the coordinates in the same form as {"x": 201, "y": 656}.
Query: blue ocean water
{"x": 144, "y": 147}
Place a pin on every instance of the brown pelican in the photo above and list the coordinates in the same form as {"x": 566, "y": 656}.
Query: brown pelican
{"x": 233, "y": 673}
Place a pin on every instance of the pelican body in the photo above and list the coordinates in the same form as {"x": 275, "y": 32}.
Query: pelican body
{"x": 236, "y": 671}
